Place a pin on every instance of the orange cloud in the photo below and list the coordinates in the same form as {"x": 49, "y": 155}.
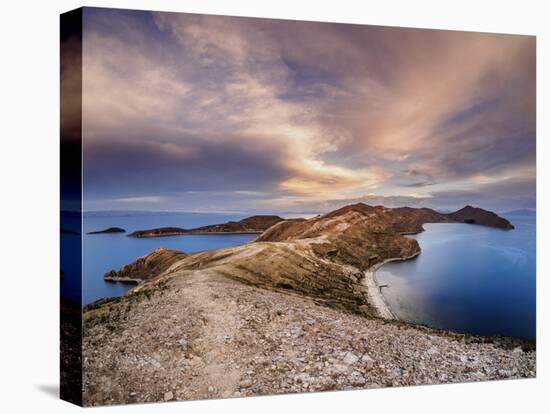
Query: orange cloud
{"x": 338, "y": 110}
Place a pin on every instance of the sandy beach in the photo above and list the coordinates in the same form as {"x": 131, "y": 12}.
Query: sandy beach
{"x": 375, "y": 296}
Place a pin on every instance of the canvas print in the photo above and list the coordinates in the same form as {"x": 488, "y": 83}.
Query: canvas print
{"x": 257, "y": 206}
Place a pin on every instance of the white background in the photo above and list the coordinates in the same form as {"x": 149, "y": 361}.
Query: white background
{"x": 29, "y": 163}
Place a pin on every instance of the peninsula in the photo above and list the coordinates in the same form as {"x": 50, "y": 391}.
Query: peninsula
{"x": 292, "y": 311}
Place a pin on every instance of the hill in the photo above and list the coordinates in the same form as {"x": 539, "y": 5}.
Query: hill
{"x": 289, "y": 312}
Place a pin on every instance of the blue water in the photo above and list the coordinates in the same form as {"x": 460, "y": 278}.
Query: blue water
{"x": 468, "y": 278}
{"x": 104, "y": 252}
{"x": 70, "y": 260}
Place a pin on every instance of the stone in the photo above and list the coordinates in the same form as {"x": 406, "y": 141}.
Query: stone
{"x": 247, "y": 383}
{"x": 301, "y": 378}
{"x": 368, "y": 361}
{"x": 168, "y": 396}
{"x": 433, "y": 351}
{"x": 350, "y": 358}
{"x": 358, "y": 381}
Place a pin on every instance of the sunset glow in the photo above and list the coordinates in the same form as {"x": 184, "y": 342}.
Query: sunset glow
{"x": 205, "y": 113}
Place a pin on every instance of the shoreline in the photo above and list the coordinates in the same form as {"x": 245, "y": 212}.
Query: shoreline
{"x": 197, "y": 233}
{"x": 128, "y": 280}
{"x": 374, "y": 292}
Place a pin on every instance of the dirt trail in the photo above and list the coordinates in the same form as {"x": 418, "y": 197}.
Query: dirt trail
{"x": 198, "y": 334}
{"x": 218, "y": 376}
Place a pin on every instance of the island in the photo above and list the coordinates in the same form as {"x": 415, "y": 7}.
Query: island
{"x": 108, "y": 231}
{"x": 292, "y": 311}
{"x": 250, "y": 225}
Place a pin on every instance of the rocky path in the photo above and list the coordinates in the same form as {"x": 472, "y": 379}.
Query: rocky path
{"x": 217, "y": 373}
{"x": 198, "y": 334}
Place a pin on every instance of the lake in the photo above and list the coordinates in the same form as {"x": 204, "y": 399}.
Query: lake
{"x": 104, "y": 252}
{"x": 468, "y": 278}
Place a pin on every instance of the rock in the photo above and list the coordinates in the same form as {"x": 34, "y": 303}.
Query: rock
{"x": 357, "y": 380}
{"x": 368, "y": 361}
{"x": 350, "y": 358}
{"x": 302, "y": 378}
{"x": 247, "y": 383}
{"x": 433, "y": 351}
{"x": 168, "y": 396}
{"x": 339, "y": 368}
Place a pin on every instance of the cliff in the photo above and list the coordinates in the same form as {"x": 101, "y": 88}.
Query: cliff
{"x": 254, "y": 224}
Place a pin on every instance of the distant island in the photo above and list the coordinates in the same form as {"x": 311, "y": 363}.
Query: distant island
{"x": 251, "y": 225}
{"x": 109, "y": 230}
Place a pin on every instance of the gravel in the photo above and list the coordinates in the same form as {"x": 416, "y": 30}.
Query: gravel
{"x": 201, "y": 335}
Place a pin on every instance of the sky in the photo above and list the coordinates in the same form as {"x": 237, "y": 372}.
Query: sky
{"x": 185, "y": 112}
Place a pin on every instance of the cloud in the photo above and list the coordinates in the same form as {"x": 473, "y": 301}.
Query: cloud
{"x": 142, "y": 199}
{"x": 497, "y": 195}
{"x": 300, "y": 110}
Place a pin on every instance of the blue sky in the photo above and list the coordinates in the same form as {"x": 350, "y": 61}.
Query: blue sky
{"x": 207, "y": 113}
